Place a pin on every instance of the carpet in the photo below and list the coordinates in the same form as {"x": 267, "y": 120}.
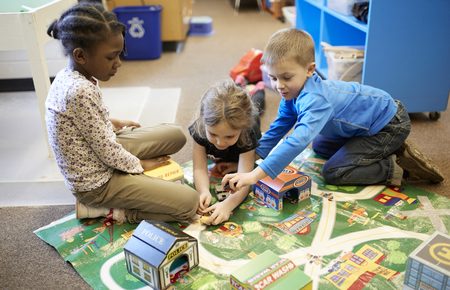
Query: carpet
{"x": 318, "y": 234}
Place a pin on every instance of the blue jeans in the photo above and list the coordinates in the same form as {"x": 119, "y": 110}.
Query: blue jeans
{"x": 364, "y": 159}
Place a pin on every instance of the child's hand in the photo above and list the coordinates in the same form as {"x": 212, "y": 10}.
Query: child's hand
{"x": 236, "y": 181}
{"x": 204, "y": 202}
{"x": 220, "y": 212}
{"x": 226, "y": 167}
{"x": 120, "y": 124}
{"x": 128, "y": 123}
{"x": 149, "y": 164}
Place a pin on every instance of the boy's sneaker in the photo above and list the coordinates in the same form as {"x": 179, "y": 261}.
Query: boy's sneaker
{"x": 416, "y": 165}
{"x": 85, "y": 211}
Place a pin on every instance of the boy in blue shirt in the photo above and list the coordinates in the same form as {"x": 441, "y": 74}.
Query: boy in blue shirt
{"x": 360, "y": 129}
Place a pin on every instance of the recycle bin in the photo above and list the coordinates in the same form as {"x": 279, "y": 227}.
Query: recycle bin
{"x": 143, "y": 31}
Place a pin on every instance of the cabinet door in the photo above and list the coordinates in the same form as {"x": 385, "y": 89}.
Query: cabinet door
{"x": 408, "y": 52}
{"x": 406, "y": 46}
{"x": 175, "y": 18}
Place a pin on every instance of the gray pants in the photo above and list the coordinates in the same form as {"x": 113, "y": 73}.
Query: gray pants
{"x": 141, "y": 196}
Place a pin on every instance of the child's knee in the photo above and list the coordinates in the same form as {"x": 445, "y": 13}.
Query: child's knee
{"x": 176, "y": 132}
{"x": 176, "y": 136}
{"x": 331, "y": 175}
{"x": 320, "y": 149}
{"x": 188, "y": 204}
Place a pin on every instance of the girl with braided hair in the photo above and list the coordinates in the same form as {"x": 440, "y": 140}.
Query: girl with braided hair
{"x": 102, "y": 159}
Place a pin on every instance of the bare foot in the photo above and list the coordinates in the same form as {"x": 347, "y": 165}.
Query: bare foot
{"x": 149, "y": 164}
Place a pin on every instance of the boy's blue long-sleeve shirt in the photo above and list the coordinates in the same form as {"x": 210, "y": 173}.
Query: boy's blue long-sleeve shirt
{"x": 334, "y": 109}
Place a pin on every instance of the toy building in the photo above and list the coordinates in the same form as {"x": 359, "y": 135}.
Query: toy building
{"x": 290, "y": 184}
{"x": 270, "y": 271}
{"x": 159, "y": 254}
{"x": 170, "y": 172}
{"x": 222, "y": 192}
{"x": 429, "y": 265}
{"x": 355, "y": 270}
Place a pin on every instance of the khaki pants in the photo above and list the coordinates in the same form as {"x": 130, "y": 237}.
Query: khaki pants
{"x": 141, "y": 196}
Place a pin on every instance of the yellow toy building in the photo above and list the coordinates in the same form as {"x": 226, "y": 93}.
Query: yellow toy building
{"x": 355, "y": 270}
{"x": 170, "y": 172}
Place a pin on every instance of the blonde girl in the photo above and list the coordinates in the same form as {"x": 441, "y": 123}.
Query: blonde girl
{"x": 226, "y": 132}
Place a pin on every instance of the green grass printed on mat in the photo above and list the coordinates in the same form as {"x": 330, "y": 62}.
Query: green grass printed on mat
{"x": 87, "y": 244}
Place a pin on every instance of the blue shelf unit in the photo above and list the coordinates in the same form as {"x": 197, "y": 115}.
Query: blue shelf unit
{"x": 407, "y": 47}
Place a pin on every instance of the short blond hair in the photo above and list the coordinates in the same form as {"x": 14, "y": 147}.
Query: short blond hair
{"x": 289, "y": 43}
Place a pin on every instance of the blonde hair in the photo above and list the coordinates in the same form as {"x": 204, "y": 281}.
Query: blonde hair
{"x": 227, "y": 102}
{"x": 289, "y": 43}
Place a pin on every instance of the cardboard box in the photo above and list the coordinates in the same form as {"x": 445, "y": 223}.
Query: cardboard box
{"x": 429, "y": 265}
{"x": 159, "y": 254}
{"x": 175, "y": 16}
{"x": 268, "y": 271}
{"x": 290, "y": 184}
{"x": 170, "y": 172}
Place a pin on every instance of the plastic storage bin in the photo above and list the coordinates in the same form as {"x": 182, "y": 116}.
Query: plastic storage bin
{"x": 266, "y": 78}
{"x": 345, "y": 63}
{"x": 143, "y": 31}
{"x": 200, "y": 25}
{"x": 343, "y": 6}
{"x": 289, "y": 14}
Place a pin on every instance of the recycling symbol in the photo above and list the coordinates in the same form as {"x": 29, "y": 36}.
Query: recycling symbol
{"x": 136, "y": 29}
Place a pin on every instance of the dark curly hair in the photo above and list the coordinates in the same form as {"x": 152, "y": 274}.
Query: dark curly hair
{"x": 84, "y": 25}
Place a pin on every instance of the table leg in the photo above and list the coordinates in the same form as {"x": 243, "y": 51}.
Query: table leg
{"x": 38, "y": 65}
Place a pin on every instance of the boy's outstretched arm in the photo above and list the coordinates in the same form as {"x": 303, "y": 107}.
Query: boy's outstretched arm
{"x": 236, "y": 181}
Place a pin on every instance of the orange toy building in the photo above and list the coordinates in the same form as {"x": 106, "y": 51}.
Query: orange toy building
{"x": 290, "y": 184}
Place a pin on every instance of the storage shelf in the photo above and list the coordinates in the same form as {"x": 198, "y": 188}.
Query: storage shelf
{"x": 401, "y": 54}
{"x": 347, "y": 19}
{"x": 315, "y": 3}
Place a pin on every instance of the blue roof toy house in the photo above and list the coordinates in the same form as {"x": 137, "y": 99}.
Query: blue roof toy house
{"x": 159, "y": 254}
{"x": 290, "y": 184}
{"x": 429, "y": 265}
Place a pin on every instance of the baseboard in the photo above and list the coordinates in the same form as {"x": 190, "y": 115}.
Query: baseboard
{"x": 18, "y": 85}
{"x": 35, "y": 194}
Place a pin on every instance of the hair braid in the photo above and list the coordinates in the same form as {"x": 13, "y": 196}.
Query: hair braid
{"x": 84, "y": 25}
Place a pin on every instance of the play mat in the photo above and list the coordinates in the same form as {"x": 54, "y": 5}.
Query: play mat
{"x": 320, "y": 235}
